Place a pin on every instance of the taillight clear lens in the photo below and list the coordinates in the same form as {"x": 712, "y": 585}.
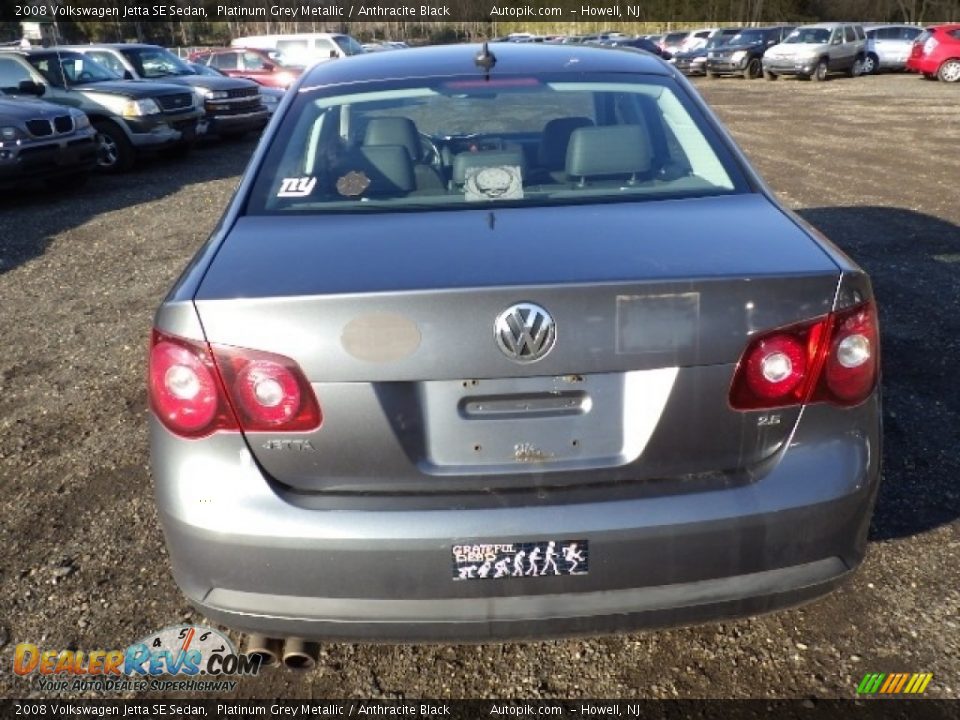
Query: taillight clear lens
{"x": 776, "y": 366}
{"x": 833, "y": 359}
{"x": 930, "y": 45}
{"x": 184, "y": 388}
{"x": 269, "y": 392}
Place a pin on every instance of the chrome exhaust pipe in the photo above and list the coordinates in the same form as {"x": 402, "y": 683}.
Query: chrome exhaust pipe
{"x": 299, "y": 654}
{"x": 266, "y": 648}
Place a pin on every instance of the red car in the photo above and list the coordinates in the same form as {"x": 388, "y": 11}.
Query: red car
{"x": 256, "y": 65}
{"x": 936, "y": 53}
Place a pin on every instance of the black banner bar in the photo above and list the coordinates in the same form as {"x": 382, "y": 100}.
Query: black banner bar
{"x": 611, "y": 13}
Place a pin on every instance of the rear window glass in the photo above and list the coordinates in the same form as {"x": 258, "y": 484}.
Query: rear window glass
{"x": 466, "y": 142}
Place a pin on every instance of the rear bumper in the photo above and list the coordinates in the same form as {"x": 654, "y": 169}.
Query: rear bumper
{"x": 923, "y": 65}
{"x": 251, "y": 559}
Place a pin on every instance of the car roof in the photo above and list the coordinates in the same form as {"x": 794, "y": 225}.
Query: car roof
{"x": 511, "y": 59}
{"x": 22, "y": 52}
{"x": 238, "y": 48}
{"x": 113, "y": 46}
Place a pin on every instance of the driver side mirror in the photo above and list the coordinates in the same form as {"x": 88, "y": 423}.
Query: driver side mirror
{"x": 269, "y": 67}
{"x": 127, "y": 75}
{"x": 29, "y": 87}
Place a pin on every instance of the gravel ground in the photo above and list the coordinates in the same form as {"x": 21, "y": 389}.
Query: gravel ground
{"x": 871, "y": 162}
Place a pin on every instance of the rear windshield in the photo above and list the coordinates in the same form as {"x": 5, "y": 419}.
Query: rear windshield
{"x": 451, "y": 143}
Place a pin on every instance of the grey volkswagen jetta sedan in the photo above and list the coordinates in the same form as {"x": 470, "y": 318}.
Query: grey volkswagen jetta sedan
{"x": 509, "y": 344}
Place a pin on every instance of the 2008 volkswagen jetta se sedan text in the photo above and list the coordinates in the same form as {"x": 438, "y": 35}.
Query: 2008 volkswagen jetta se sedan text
{"x": 509, "y": 343}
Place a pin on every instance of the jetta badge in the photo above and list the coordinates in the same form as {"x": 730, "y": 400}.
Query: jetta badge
{"x": 525, "y": 332}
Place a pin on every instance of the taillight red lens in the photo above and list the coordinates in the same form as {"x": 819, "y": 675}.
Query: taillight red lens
{"x": 832, "y": 359}
{"x": 269, "y": 392}
{"x": 196, "y": 389}
{"x": 184, "y": 388}
{"x": 850, "y": 372}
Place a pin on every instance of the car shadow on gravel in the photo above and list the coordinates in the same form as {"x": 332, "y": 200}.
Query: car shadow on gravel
{"x": 32, "y": 215}
{"x": 914, "y": 262}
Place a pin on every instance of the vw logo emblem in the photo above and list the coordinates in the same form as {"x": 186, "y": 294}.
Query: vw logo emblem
{"x": 525, "y": 332}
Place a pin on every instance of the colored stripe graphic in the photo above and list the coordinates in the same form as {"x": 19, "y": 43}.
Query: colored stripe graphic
{"x": 870, "y": 683}
{"x": 894, "y": 683}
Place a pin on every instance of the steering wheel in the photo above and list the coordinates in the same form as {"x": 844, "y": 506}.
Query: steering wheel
{"x": 85, "y": 75}
{"x": 431, "y": 151}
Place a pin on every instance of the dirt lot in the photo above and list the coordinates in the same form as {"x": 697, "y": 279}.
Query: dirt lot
{"x": 872, "y": 162}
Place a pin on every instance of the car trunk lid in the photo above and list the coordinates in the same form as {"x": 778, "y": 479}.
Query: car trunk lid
{"x": 391, "y": 317}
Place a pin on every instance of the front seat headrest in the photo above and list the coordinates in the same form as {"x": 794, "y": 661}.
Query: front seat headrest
{"x": 608, "y": 150}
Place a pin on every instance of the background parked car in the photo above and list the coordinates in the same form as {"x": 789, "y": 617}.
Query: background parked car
{"x": 696, "y": 39}
{"x": 130, "y": 117}
{"x": 888, "y": 47}
{"x": 936, "y": 53}
{"x": 381, "y": 45}
{"x": 815, "y": 51}
{"x": 43, "y": 141}
{"x": 672, "y": 42}
{"x": 743, "y": 54}
{"x": 269, "y": 96}
{"x": 232, "y": 106}
{"x": 693, "y": 62}
{"x": 303, "y": 48}
{"x": 640, "y": 44}
{"x": 267, "y": 69}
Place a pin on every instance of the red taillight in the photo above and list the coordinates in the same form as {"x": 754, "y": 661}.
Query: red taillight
{"x": 185, "y": 391}
{"x": 264, "y": 392}
{"x": 850, "y": 372}
{"x": 269, "y": 392}
{"x": 832, "y": 359}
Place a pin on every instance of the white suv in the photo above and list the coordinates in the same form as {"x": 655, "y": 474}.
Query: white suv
{"x": 816, "y": 51}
